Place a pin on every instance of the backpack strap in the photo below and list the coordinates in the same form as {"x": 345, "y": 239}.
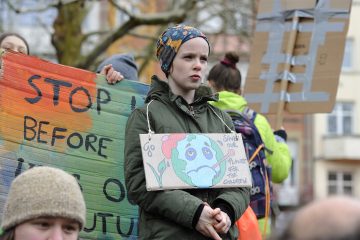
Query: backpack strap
{"x": 238, "y": 114}
{"x": 256, "y": 152}
{"x": 250, "y": 113}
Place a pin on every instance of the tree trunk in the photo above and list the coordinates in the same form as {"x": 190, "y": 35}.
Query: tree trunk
{"x": 67, "y": 37}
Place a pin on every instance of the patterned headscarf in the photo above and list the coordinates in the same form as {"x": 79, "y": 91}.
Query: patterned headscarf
{"x": 170, "y": 41}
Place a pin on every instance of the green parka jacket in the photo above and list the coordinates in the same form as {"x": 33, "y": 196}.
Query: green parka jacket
{"x": 169, "y": 214}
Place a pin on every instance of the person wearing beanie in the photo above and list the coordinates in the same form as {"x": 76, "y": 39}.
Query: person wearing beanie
{"x": 179, "y": 104}
{"x": 43, "y": 203}
{"x": 225, "y": 78}
{"x": 118, "y": 67}
{"x": 14, "y": 42}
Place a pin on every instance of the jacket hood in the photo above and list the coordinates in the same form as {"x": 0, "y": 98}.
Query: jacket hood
{"x": 160, "y": 90}
{"x": 230, "y": 100}
{"x": 123, "y": 63}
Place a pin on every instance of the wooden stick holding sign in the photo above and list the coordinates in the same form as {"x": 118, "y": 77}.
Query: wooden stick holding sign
{"x": 287, "y": 67}
{"x": 297, "y": 54}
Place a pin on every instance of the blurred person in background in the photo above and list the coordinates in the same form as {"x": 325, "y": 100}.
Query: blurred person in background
{"x": 14, "y": 42}
{"x": 225, "y": 79}
{"x": 43, "y": 203}
{"x": 332, "y": 218}
{"x": 118, "y": 67}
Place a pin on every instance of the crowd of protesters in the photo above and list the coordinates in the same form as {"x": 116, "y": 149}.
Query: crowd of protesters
{"x": 47, "y": 203}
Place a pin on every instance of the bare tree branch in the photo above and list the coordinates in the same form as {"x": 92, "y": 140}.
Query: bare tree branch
{"x": 90, "y": 34}
{"x": 21, "y": 9}
{"x": 216, "y": 17}
{"x": 120, "y": 8}
{"x": 133, "y": 34}
{"x": 175, "y": 15}
{"x": 149, "y": 53}
{"x": 28, "y": 10}
{"x": 43, "y": 25}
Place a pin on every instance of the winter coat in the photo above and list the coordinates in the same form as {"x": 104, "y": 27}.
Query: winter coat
{"x": 169, "y": 214}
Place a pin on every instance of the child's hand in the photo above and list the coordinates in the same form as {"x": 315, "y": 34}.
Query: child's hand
{"x": 223, "y": 222}
{"x": 206, "y": 222}
{"x": 112, "y": 76}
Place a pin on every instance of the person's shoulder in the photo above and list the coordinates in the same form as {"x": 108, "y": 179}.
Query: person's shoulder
{"x": 260, "y": 118}
{"x": 139, "y": 110}
{"x": 220, "y": 112}
{"x": 150, "y": 106}
{"x": 215, "y": 108}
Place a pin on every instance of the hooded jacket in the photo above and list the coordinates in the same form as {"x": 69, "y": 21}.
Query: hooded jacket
{"x": 280, "y": 159}
{"x": 169, "y": 214}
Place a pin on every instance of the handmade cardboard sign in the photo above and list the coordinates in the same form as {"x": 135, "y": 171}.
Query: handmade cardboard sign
{"x": 72, "y": 119}
{"x": 181, "y": 160}
{"x": 297, "y": 57}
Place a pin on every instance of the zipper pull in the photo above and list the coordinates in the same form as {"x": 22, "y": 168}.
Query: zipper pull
{"x": 191, "y": 110}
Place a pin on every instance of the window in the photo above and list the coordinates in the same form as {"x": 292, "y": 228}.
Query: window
{"x": 293, "y": 147}
{"x": 340, "y": 121}
{"x": 288, "y": 193}
{"x": 340, "y": 183}
{"x": 348, "y": 55}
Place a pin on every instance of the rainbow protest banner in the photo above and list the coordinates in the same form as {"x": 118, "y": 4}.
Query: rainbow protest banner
{"x": 72, "y": 119}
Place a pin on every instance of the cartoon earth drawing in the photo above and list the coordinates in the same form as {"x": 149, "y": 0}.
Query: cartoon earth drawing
{"x": 196, "y": 159}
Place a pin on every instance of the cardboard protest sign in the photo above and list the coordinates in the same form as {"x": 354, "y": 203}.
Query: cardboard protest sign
{"x": 297, "y": 55}
{"x": 184, "y": 160}
{"x": 72, "y": 119}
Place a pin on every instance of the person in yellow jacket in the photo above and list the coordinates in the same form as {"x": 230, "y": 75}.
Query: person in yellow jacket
{"x": 225, "y": 79}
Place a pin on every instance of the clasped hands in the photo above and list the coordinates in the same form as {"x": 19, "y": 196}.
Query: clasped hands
{"x": 213, "y": 222}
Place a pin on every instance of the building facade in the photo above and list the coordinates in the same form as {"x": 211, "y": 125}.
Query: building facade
{"x": 337, "y": 134}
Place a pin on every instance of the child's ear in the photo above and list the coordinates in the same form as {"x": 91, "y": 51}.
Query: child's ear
{"x": 210, "y": 83}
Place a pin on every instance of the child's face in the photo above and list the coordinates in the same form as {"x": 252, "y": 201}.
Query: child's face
{"x": 44, "y": 228}
{"x": 15, "y": 44}
{"x": 189, "y": 65}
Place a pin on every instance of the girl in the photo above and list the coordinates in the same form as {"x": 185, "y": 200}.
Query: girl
{"x": 225, "y": 79}
{"x": 180, "y": 105}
